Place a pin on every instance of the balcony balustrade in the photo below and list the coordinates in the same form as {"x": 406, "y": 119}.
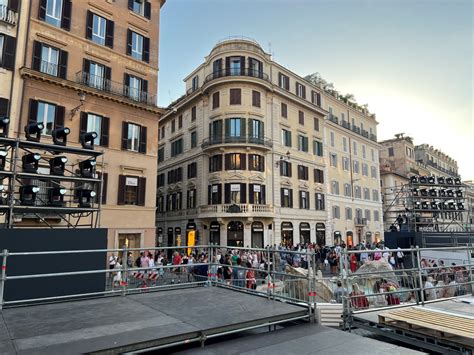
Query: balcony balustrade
{"x": 8, "y": 15}
{"x": 239, "y": 208}
{"x": 358, "y": 221}
{"x": 250, "y": 72}
{"x": 212, "y": 141}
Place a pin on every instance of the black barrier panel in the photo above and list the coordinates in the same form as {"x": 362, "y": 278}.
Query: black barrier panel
{"x": 33, "y": 240}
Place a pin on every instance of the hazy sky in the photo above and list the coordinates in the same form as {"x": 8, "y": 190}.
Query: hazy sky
{"x": 411, "y": 61}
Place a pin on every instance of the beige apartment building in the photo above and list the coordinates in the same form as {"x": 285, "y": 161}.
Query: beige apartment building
{"x": 240, "y": 154}
{"x": 92, "y": 66}
{"x": 437, "y": 162}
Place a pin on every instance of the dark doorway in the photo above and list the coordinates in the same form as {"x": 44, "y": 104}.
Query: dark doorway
{"x": 287, "y": 233}
{"x": 235, "y": 234}
{"x": 257, "y": 235}
{"x": 305, "y": 233}
{"x": 320, "y": 234}
{"x": 215, "y": 233}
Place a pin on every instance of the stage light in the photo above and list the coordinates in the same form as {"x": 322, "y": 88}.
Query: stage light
{"x": 3, "y": 159}
{"x": 416, "y": 192}
{"x": 3, "y": 199}
{"x": 442, "y": 193}
{"x": 457, "y": 181}
{"x": 460, "y": 206}
{"x": 432, "y": 192}
{"x": 28, "y": 194}
{"x": 60, "y": 135}
{"x": 449, "y": 193}
{"x": 33, "y": 131}
{"x": 414, "y": 179}
{"x": 417, "y": 205}
{"x": 425, "y": 205}
{"x": 86, "y": 198}
{"x": 449, "y": 181}
{"x": 30, "y": 162}
{"x": 424, "y": 192}
{"x": 441, "y": 180}
{"x": 434, "y": 205}
{"x": 87, "y": 140}
{"x": 56, "y": 196}
{"x": 423, "y": 180}
{"x": 458, "y": 193}
{"x": 451, "y": 205}
{"x": 87, "y": 168}
{"x": 4, "y": 122}
{"x": 57, "y": 165}
{"x": 431, "y": 180}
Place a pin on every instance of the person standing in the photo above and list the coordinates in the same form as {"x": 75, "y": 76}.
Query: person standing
{"x": 400, "y": 257}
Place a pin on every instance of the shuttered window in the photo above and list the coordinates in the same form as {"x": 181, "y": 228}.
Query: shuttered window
{"x": 319, "y": 176}
{"x": 56, "y": 13}
{"x": 235, "y": 97}
{"x": 134, "y": 137}
{"x": 140, "y": 7}
{"x": 284, "y": 110}
{"x": 215, "y": 100}
{"x": 255, "y": 98}
{"x": 131, "y": 190}
{"x": 138, "y": 46}
{"x": 91, "y": 122}
{"x": 286, "y": 197}
{"x": 7, "y": 51}
{"x": 51, "y": 115}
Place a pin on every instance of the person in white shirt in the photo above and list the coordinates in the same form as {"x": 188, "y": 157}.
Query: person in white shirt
{"x": 430, "y": 291}
{"x": 400, "y": 257}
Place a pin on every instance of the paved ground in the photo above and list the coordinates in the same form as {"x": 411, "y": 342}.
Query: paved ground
{"x": 113, "y": 322}
{"x": 301, "y": 340}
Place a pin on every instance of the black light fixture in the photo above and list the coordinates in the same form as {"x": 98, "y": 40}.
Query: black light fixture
{"x": 460, "y": 206}
{"x": 442, "y": 193}
{"x": 3, "y": 159}
{"x": 458, "y": 193}
{"x": 441, "y": 180}
{"x": 414, "y": 179}
{"x": 449, "y": 181}
{"x": 451, "y": 205}
{"x": 434, "y": 205}
{"x": 86, "y": 197}
{"x": 33, "y": 131}
{"x": 87, "y": 168}
{"x": 60, "y": 135}
{"x": 423, "y": 179}
{"x": 416, "y": 192}
{"x": 425, "y": 205}
{"x": 30, "y": 162}
{"x": 3, "y": 200}
{"x": 424, "y": 192}
{"x": 457, "y": 181}
{"x": 4, "y": 122}
{"x": 449, "y": 193}
{"x": 417, "y": 205}
{"x": 28, "y": 194}
{"x": 432, "y": 192}
{"x": 431, "y": 180}
{"x": 57, "y": 165}
{"x": 56, "y": 196}
{"x": 87, "y": 140}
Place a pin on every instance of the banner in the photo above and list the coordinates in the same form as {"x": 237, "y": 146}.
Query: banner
{"x": 191, "y": 240}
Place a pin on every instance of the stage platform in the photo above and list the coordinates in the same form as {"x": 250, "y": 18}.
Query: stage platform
{"x": 120, "y": 324}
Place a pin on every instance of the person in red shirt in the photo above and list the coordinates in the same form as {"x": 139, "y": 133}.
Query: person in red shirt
{"x": 177, "y": 260}
{"x": 353, "y": 263}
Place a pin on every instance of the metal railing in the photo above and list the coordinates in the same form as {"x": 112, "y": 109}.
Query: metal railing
{"x": 333, "y": 118}
{"x": 237, "y": 72}
{"x": 244, "y": 208}
{"x": 359, "y": 221}
{"x": 8, "y": 15}
{"x": 116, "y": 88}
{"x": 49, "y": 68}
{"x": 267, "y": 142}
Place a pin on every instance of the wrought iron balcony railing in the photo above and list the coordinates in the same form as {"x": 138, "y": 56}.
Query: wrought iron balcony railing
{"x": 358, "y": 221}
{"x": 267, "y": 142}
{"x": 333, "y": 118}
{"x": 237, "y": 72}
{"x": 8, "y": 15}
{"x": 115, "y": 88}
{"x": 48, "y": 68}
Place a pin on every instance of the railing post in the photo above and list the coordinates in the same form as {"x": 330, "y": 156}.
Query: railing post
{"x": 269, "y": 278}
{"x": 469, "y": 262}
{"x": 3, "y": 279}
{"x": 413, "y": 276}
{"x": 420, "y": 279}
{"x": 309, "y": 289}
{"x": 124, "y": 280}
{"x": 313, "y": 259}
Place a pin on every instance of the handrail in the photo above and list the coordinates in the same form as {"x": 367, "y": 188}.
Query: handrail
{"x": 267, "y": 142}
{"x": 237, "y": 72}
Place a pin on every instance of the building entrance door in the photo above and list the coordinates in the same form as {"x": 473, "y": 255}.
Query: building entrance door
{"x": 215, "y": 233}
{"x": 257, "y": 235}
{"x": 305, "y": 233}
{"x": 235, "y": 234}
{"x": 287, "y": 234}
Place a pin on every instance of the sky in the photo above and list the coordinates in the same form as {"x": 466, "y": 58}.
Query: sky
{"x": 410, "y": 60}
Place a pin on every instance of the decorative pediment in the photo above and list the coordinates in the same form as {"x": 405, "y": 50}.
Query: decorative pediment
{"x": 319, "y": 188}
{"x": 215, "y": 179}
{"x": 286, "y": 183}
{"x": 191, "y": 185}
{"x": 303, "y": 186}
{"x": 257, "y": 178}
{"x": 235, "y": 177}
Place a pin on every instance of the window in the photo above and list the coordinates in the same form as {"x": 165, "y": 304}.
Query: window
{"x": 320, "y": 202}
{"x": 356, "y": 167}
{"x": 390, "y": 152}
{"x": 235, "y": 97}
{"x": 366, "y": 194}
{"x": 348, "y": 213}
{"x": 355, "y": 148}
{"x": 284, "y": 110}
{"x": 318, "y": 148}
{"x": 98, "y": 29}
{"x": 331, "y": 135}
{"x": 257, "y": 194}
{"x": 133, "y": 138}
{"x": 375, "y": 195}
{"x": 49, "y": 60}
{"x": 235, "y": 193}
{"x": 192, "y": 170}
{"x": 316, "y": 123}
{"x": 358, "y": 213}
{"x": 256, "y": 162}
{"x": 215, "y": 100}
{"x": 161, "y": 154}
{"x": 96, "y": 75}
{"x": 214, "y": 194}
{"x": 283, "y": 81}
{"x": 286, "y": 137}
{"x": 301, "y": 117}
{"x": 2, "y": 48}
{"x": 175, "y": 175}
{"x": 140, "y": 7}
{"x": 161, "y": 180}
{"x": 372, "y": 153}
{"x": 358, "y": 192}
{"x": 195, "y": 83}
{"x": 173, "y": 126}
{"x": 95, "y": 123}
{"x": 319, "y": 176}
{"x": 255, "y": 98}
{"x": 46, "y": 115}
{"x": 255, "y": 68}
{"x": 344, "y": 144}
{"x": 215, "y": 130}
{"x": 177, "y": 147}
{"x": 235, "y": 65}
{"x": 304, "y": 200}
{"x": 316, "y": 98}
{"x": 363, "y": 151}
{"x": 193, "y": 139}
{"x": 336, "y": 212}
{"x": 235, "y": 161}
{"x": 137, "y": 87}
{"x": 138, "y": 46}
{"x": 286, "y": 197}
{"x": 333, "y": 159}
{"x": 285, "y": 168}
{"x": 335, "y": 187}
{"x": 215, "y": 163}
{"x": 191, "y": 199}
{"x": 376, "y": 216}
{"x": 300, "y": 90}
{"x": 347, "y": 190}
{"x": 180, "y": 121}
{"x": 302, "y": 143}
{"x": 54, "y": 9}
{"x": 235, "y": 127}
{"x": 365, "y": 169}
{"x": 302, "y": 172}
{"x": 367, "y": 215}
{"x": 345, "y": 163}
{"x": 131, "y": 190}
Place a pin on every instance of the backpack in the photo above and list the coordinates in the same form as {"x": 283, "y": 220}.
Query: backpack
{"x": 137, "y": 262}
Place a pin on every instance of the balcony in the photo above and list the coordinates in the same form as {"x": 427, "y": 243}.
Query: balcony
{"x": 237, "y": 210}
{"x": 358, "y": 221}
{"x": 257, "y": 141}
{"x": 345, "y": 124}
{"x": 333, "y": 118}
{"x": 373, "y": 137}
{"x": 8, "y": 15}
{"x": 115, "y": 88}
{"x": 249, "y": 72}
{"x": 356, "y": 129}
{"x": 364, "y": 133}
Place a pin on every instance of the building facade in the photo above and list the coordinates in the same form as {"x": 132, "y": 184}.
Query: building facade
{"x": 92, "y": 67}
{"x": 437, "y": 162}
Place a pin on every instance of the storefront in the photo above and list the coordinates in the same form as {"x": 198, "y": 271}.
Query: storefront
{"x": 337, "y": 238}
{"x": 368, "y": 237}
{"x": 349, "y": 239}
{"x": 235, "y": 234}
{"x": 287, "y": 233}
{"x": 257, "y": 235}
{"x": 191, "y": 234}
{"x": 320, "y": 234}
{"x": 305, "y": 233}
{"x": 215, "y": 233}
{"x": 159, "y": 236}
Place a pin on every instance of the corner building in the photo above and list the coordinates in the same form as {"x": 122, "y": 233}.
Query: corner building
{"x": 93, "y": 66}
{"x": 240, "y": 158}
